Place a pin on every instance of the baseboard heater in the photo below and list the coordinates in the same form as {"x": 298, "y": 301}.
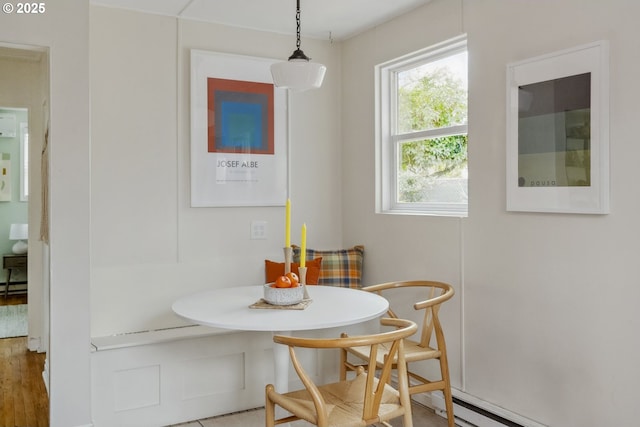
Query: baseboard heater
{"x": 470, "y": 411}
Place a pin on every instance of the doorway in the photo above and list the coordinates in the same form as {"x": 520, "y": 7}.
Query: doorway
{"x": 25, "y": 86}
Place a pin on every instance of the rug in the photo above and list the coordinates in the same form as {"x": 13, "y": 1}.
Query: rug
{"x": 13, "y": 321}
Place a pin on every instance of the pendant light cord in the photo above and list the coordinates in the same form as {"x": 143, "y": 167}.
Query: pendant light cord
{"x": 298, "y": 24}
{"x": 298, "y": 73}
{"x": 298, "y": 54}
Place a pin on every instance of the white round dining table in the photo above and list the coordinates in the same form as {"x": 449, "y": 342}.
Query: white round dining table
{"x": 228, "y": 308}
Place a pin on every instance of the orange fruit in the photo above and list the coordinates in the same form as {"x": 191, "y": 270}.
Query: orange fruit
{"x": 283, "y": 282}
{"x": 294, "y": 279}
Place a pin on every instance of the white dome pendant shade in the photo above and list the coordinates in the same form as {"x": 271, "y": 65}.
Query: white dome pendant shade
{"x": 298, "y": 73}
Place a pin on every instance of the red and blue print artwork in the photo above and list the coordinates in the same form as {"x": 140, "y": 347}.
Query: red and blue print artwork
{"x": 240, "y": 117}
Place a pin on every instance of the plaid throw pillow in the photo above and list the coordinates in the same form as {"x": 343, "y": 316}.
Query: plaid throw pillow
{"x": 341, "y": 267}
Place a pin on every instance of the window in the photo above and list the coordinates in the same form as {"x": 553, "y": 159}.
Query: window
{"x": 421, "y": 120}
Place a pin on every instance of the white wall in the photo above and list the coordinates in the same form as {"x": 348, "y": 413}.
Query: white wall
{"x": 149, "y": 247}
{"x": 549, "y": 299}
{"x": 555, "y": 289}
{"x": 63, "y": 28}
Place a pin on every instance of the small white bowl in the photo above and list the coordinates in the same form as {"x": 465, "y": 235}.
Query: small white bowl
{"x": 283, "y": 296}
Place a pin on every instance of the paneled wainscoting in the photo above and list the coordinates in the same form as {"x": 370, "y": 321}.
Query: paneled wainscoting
{"x": 171, "y": 376}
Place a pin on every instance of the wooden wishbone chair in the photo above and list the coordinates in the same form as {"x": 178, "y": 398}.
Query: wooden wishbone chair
{"x": 357, "y": 402}
{"x": 436, "y": 293}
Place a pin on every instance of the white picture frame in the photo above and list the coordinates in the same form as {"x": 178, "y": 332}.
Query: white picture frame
{"x": 7, "y": 125}
{"x": 239, "y": 132}
{"x": 558, "y": 132}
{"x": 5, "y": 177}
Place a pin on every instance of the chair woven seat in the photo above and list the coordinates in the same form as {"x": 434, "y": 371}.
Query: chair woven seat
{"x": 343, "y": 402}
{"x": 357, "y": 402}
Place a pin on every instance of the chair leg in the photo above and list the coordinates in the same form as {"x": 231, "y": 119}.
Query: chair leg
{"x": 343, "y": 364}
{"x": 6, "y": 287}
{"x": 448, "y": 398}
{"x": 269, "y": 408}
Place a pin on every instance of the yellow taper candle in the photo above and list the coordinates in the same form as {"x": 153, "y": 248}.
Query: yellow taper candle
{"x": 287, "y": 224}
{"x": 303, "y": 246}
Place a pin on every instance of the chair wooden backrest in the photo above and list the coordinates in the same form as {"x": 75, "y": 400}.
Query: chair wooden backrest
{"x": 374, "y": 387}
{"x": 437, "y": 293}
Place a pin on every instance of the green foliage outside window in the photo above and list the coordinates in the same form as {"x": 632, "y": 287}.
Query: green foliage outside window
{"x": 436, "y": 99}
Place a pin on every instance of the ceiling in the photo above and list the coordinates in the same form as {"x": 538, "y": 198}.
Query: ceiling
{"x": 321, "y": 19}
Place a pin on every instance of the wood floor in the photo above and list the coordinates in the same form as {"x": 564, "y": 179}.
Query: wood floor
{"x": 23, "y": 397}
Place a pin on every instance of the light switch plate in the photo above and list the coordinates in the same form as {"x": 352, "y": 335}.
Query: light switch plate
{"x": 258, "y": 230}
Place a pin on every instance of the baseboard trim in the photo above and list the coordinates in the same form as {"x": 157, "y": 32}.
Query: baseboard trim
{"x": 45, "y": 375}
{"x": 34, "y": 344}
{"x": 478, "y": 412}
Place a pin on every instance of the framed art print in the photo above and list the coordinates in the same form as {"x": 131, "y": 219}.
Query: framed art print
{"x": 7, "y": 125}
{"x": 558, "y": 132}
{"x": 5, "y": 177}
{"x": 239, "y": 146}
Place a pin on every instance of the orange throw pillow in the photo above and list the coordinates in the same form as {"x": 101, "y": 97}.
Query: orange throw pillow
{"x": 274, "y": 269}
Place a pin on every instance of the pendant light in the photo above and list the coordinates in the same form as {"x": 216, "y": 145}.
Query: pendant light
{"x": 298, "y": 73}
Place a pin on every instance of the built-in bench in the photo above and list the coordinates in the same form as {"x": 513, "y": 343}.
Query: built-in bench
{"x": 155, "y": 336}
{"x": 174, "y": 375}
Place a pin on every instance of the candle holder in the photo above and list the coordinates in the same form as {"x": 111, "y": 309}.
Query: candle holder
{"x": 288, "y": 256}
{"x": 302, "y": 276}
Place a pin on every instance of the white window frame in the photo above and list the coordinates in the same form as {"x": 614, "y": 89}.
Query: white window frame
{"x": 387, "y": 143}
